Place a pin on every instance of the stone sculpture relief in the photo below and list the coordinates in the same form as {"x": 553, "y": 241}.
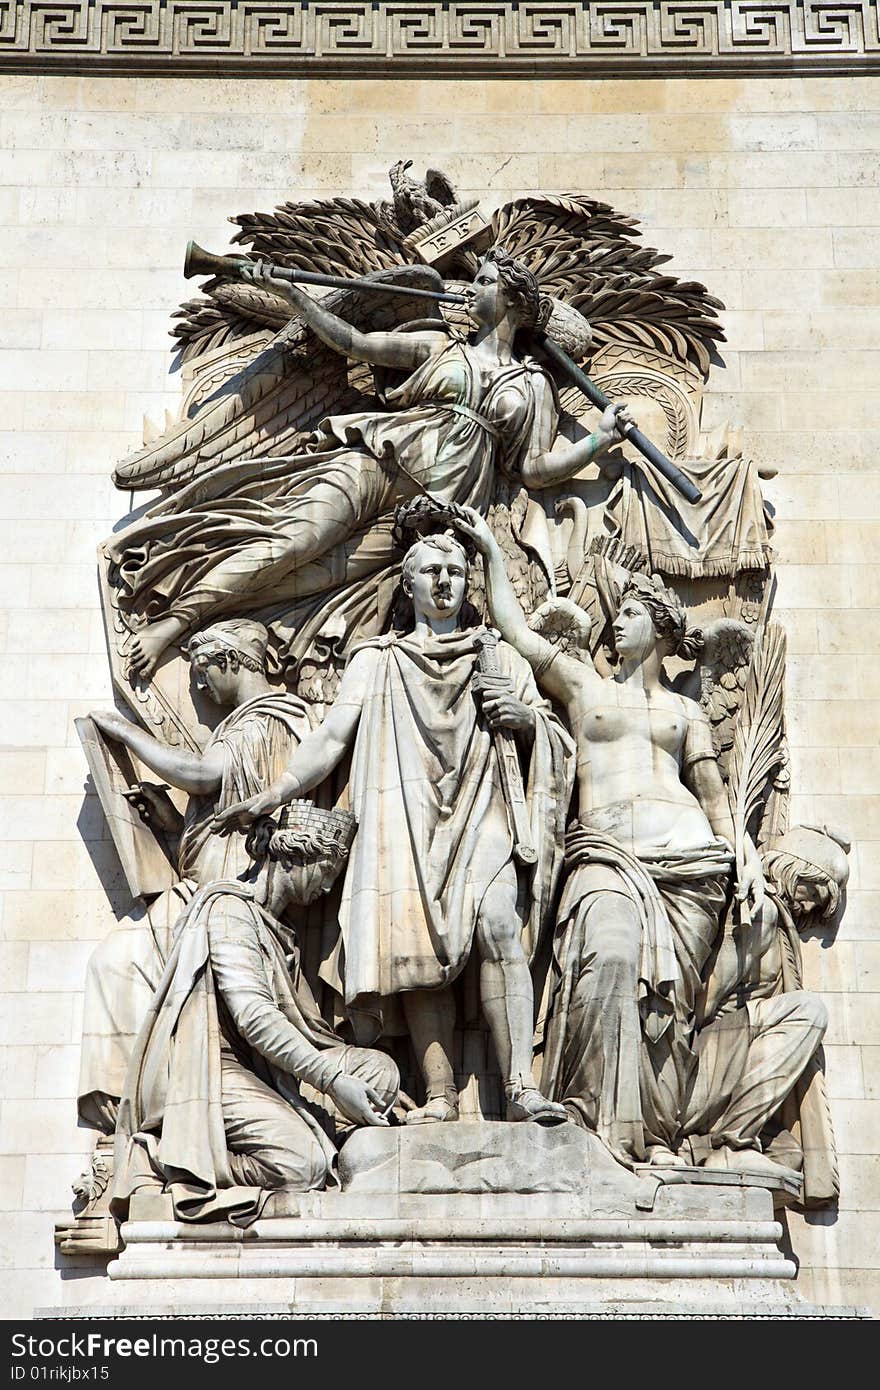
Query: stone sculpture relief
{"x": 538, "y": 877}
{"x": 433, "y": 877}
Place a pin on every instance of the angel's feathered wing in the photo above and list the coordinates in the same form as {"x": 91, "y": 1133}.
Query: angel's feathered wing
{"x": 295, "y": 381}
{"x": 721, "y": 680}
{"x": 271, "y": 404}
{"x": 584, "y": 252}
{"x": 334, "y": 236}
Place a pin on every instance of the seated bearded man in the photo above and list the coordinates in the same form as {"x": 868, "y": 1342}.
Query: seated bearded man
{"x": 649, "y": 868}
{"x": 236, "y": 1085}
{"x": 432, "y": 875}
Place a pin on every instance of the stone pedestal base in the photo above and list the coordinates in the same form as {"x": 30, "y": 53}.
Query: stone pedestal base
{"x": 471, "y": 1218}
{"x": 431, "y": 1237}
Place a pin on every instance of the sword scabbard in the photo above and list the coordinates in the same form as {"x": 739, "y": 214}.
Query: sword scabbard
{"x": 508, "y": 757}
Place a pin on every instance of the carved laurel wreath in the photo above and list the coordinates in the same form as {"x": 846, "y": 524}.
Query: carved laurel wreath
{"x": 673, "y": 404}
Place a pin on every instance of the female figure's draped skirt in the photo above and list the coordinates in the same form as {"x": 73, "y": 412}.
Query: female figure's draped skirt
{"x": 275, "y": 531}
{"x": 632, "y": 938}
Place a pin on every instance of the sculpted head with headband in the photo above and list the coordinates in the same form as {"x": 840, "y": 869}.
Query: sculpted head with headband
{"x": 808, "y": 868}
{"x": 666, "y": 612}
{"x": 221, "y": 653}
{"x": 246, "y": 639}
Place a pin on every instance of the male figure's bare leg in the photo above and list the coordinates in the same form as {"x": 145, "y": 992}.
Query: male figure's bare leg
{"x": 508, "y": 1003}
{"x": 430, "y": 1018}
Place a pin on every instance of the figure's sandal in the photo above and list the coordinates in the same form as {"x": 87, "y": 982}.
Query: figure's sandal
{"x": 527, "y": 1103}
{"x": 436, "y": 1110}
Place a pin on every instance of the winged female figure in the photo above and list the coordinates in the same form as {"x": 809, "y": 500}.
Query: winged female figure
{"x": 261, "y": 517}
{"x": 300, "y": 524}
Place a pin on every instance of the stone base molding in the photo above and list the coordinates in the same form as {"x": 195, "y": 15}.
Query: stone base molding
{"x": 459, "y": 38}
{"x": 710, "y": 1234}
{"x": 420, "y": 1223}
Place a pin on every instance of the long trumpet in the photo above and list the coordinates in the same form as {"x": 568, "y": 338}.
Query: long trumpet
{"x": 201, "y": 262}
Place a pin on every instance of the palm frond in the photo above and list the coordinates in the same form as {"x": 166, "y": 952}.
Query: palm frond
{"x": 759, "y": 738}
{"x": 584, "y": 252}
{"x": 334, "y": 236}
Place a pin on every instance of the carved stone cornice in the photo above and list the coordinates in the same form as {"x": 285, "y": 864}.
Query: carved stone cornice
{"x": 490, "y": 38}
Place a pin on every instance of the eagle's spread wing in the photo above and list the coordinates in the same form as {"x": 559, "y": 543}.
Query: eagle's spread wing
{"x": 438, "y": 187}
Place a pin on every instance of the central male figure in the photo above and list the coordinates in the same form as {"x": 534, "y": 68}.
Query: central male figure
{"x": 432, "y": 875}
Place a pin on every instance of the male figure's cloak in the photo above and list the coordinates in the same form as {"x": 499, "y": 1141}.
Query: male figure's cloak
{"x": 433, "y": 829}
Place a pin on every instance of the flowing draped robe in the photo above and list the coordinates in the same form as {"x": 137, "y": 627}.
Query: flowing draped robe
{"x": 621, "y": 1013}
{"x": 806, "y": 1114}
{"x": 726, "y": 532}
{"x": 269, "y": 534}
{"x": 800, "y": 1134}
{"x": 170, "y": 1127}
{"x": 433, "y": 830}
{"x": 257, "y": 739}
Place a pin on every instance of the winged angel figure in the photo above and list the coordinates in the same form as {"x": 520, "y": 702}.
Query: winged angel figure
{"x": 278, "y": 496}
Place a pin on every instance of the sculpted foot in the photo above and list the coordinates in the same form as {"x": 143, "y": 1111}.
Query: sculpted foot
{"x": 659, "y": 1156}
{"x": 437, "y": 1110}
{"x": 149, "y": 644}
{"x": 527, "y": 1103}
{"x": 730, "y": 1160}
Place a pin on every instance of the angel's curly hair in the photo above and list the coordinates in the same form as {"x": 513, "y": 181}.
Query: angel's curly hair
{"x": 522, "y": 288}
{"x": 667, "y": 613}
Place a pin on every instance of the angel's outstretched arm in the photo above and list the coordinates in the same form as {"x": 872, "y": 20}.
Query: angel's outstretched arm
{"x": 402, "y": 350}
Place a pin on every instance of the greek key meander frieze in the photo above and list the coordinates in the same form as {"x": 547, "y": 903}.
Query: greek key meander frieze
{"x": 481, "y": 36}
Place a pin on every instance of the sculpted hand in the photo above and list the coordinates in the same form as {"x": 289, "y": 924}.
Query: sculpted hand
{"x": 610, "y": 426}
{"x": 242, "y": 815}
{"x": 113, "y": 724}
{"x": 260, "y": 273}
{"x": 357, "y": 1101}
{"x": 751, "y": 887}
{"x": 106, "y": 1108}
{"x": 471, "y": 524}
{"x": 504, "y": 711}
{"x": 154, "y": 806}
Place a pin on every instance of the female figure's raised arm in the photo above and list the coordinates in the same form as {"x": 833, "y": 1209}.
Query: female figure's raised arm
{"x": 402, "y": 350}
{"x": 558, "y": 674}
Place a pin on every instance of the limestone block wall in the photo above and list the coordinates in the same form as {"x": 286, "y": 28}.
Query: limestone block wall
{"x": 768, "y": 190}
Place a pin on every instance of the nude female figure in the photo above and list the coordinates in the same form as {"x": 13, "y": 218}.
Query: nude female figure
{"x": 649, "y": 863}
